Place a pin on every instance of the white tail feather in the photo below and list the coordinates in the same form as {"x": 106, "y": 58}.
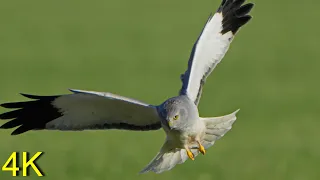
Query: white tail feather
{"x": 217, "y": 127}
{"x": 167, "y": 158}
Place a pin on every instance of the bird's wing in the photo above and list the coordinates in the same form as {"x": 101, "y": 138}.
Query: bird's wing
{"x": 212, "y": 44}
{"x": 80, "y": 110}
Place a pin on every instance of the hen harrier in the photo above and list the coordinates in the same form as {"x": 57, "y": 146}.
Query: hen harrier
{"x": 187, "y": 134}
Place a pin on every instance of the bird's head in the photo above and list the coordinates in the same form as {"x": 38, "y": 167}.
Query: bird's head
{"x": 177, "y": 113}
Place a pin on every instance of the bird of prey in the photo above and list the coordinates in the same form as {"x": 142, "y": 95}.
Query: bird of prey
{"x": 187, "y": 134}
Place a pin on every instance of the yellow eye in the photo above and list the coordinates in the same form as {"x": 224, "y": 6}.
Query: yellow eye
{"x": 175, "y": 117}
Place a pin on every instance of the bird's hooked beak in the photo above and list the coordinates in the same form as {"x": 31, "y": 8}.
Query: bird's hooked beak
{"x": 167, "y": 123}
{"x": 170, "y": 124}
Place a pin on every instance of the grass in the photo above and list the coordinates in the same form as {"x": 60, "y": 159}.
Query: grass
{"x": 139, "y": 49}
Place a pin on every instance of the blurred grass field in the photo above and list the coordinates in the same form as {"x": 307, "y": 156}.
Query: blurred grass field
{"x": 139, "y": 49}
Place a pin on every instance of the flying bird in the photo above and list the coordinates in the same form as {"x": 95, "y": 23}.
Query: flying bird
{"x": 187, "y": 134}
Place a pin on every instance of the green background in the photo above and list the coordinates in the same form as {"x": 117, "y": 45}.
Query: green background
{"x": 139, "y": 49}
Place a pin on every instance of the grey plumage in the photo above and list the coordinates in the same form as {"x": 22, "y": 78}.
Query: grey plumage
{"x": 181, "y": 106}
{"x": 187, "y": 134}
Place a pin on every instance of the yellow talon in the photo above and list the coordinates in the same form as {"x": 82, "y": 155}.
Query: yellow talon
{"x": 190, "y": 154}
{"x": 201, "y": 148}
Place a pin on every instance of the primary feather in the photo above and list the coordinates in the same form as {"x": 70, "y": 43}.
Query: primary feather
{"x": 84, "y": 110}
{"x": 212, "y": 45}
{"x": 80, "y": 111}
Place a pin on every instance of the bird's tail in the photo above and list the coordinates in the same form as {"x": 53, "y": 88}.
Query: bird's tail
{"x": 167, "y": 158}
{"x": 217, "y": 127}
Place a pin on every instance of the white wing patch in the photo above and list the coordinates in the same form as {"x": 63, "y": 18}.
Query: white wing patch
{"x": 211, "y": 48}
{"x": 93, "y": 110}
{"x": 212, "y": 45}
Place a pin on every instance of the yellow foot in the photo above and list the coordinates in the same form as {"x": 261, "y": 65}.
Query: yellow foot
{"x": 201, "y": 148}
{"x": 190, "y": 154}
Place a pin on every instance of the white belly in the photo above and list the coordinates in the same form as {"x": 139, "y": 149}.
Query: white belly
{"x": 179, "y": 139}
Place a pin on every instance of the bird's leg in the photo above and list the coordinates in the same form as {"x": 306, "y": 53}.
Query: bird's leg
{"x": 189, "y": 153}
{"x": 201, "y": 148}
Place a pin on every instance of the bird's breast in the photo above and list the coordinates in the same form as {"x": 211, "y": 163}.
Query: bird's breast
{"x": 185, "y": 137}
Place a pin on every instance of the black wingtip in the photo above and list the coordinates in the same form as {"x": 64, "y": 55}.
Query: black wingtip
{"x": 21, "y": 104}
{"x": 234, "y": 14}
{"x": 20, "y": 130}
{"x": 10, "y": 114}
{"x": 30, "y": 96}
{"x": 36, "y": 97}
{"x": 29, "y": 115}
{"x": 244, "y": 10}
{"x": 11, "y": 124}
{"x": 14, "y": 133}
